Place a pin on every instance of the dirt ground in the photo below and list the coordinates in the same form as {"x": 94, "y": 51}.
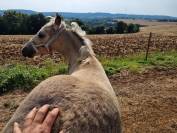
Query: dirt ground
{"x": 148, "y": 101}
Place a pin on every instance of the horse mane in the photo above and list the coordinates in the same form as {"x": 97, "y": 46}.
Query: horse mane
{"x": 72, "y": 26}
{"x": 86, "y": 48}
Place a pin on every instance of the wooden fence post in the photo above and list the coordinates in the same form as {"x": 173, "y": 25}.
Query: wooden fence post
{"x": 147, "y": 49}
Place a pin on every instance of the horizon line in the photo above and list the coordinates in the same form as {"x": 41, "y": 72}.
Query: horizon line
{"x": 93, "y": 12}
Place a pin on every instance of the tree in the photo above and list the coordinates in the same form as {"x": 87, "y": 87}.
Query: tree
{"x": 2, "y": 26}
{"x": 121, "y": 27}
{"x": 133, "y": 28}
{"x": 35, "y": 22}
{"x": 100, "y": 30}
{"x": 110, "y": 30}
{"x": 11, "y": 22}
{"x": 24, "y": 29}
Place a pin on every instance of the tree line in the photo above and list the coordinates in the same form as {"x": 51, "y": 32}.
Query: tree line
{"x": 103, "y": 27}
{"x": 17, "y": 23}
{"x": 13, "y": 23}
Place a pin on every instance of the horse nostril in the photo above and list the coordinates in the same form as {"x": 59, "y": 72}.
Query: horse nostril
{"x": 24, "y": 52}
{"x": 28, "y": 51}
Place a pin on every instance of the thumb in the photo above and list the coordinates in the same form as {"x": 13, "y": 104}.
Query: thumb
{"x": 17, "y": 128}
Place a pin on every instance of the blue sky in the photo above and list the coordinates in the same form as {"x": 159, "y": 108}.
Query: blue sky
{"x": 150, "y": 7}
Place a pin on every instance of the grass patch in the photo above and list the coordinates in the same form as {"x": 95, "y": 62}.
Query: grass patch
{"x": 136, "y": 63}
{"x": 27, "y": 76}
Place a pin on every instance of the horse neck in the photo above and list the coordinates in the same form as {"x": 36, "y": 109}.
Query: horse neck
{"x": 69, "y": 48}
{"x": 82, "y": 62}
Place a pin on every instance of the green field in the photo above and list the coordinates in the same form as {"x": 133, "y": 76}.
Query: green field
{"x": 22, "y": 76}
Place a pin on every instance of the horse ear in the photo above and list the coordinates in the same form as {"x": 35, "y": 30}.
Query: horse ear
{"x": 57, "y": 19}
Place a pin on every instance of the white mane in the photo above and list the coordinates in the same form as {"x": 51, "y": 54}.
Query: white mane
{"x": 74, "y": 27}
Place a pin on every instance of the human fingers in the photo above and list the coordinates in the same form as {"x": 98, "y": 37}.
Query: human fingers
{"x": 30, "y": 117}
{"x": 50, "y": 118}
{"x": 41, "y": 114}
{"x": 16, "y": 128}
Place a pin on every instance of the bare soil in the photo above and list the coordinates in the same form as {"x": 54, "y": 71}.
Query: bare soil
{"x": 148, "y": 101}
{"x": 104, "y": 45}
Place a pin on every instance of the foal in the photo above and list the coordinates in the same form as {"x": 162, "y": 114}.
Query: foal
{"x": 86, "y": 98}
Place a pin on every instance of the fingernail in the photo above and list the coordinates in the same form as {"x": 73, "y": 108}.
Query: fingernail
{"x": 55, "y": 110}
{"x": 34, "y": 108}
{"x": 46, "y": 106}
{"x": 15, "y": 124}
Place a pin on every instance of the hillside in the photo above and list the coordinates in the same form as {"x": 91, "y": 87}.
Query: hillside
{"x": 98, "y": 15}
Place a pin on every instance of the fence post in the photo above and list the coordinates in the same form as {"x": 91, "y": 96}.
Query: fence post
{"x": 147, "y": 49}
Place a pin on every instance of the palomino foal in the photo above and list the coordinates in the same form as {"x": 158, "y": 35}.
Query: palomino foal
{"x": 86, "y": 98}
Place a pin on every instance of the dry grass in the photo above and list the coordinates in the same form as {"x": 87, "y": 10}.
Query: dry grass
{"x": 165, "y": 28}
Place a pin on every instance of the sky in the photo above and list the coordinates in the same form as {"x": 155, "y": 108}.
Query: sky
{"x": 145, "y": 7}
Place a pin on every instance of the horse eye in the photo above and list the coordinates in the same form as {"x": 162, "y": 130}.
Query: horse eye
{"x": 41, "y": 35}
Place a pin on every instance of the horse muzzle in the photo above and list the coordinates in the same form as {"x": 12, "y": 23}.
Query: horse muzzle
{"x": 28, "y": 50}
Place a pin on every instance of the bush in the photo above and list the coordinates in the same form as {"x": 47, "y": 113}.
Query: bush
{"x": 110, "y": 30}
{"x": 26, "y": 77}
{"x": 133, "y": 28}
{"x": 121, "y": 27}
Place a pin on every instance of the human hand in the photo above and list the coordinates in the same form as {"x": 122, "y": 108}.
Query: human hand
{"x": 38, "y": 121}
